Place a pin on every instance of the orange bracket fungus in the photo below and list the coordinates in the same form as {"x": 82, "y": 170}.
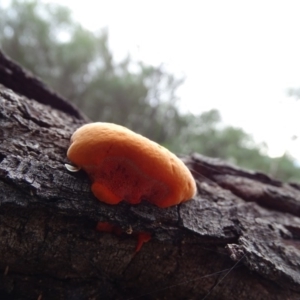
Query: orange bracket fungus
{"x": 124, "y": 165}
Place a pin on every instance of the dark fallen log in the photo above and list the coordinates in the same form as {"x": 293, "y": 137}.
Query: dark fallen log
{"x": 238, "y": 239}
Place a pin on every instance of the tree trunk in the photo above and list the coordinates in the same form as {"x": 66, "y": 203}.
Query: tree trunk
{"x": 239, "y": 238}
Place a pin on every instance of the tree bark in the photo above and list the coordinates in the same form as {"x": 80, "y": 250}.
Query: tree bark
{"x": 239, "y": 238}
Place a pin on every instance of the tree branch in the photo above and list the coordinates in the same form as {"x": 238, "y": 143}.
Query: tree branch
{"x": 49, "y": 245}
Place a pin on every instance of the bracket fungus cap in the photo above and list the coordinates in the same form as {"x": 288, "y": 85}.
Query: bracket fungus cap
{"x": 124, "y": 165}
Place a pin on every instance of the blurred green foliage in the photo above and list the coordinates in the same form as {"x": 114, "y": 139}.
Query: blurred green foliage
{"x": 79, "y": 64}
{"x": 207, "y": 135}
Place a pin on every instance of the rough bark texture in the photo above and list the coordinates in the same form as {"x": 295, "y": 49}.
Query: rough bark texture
{"x": 238, "y": 239}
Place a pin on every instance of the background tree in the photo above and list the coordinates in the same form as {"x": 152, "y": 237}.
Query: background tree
{"x": 79, "y": 65}
{"x": 207, "y": 134}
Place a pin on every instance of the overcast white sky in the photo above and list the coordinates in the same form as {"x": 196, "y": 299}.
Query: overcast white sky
{"x": 237, "y": 56}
